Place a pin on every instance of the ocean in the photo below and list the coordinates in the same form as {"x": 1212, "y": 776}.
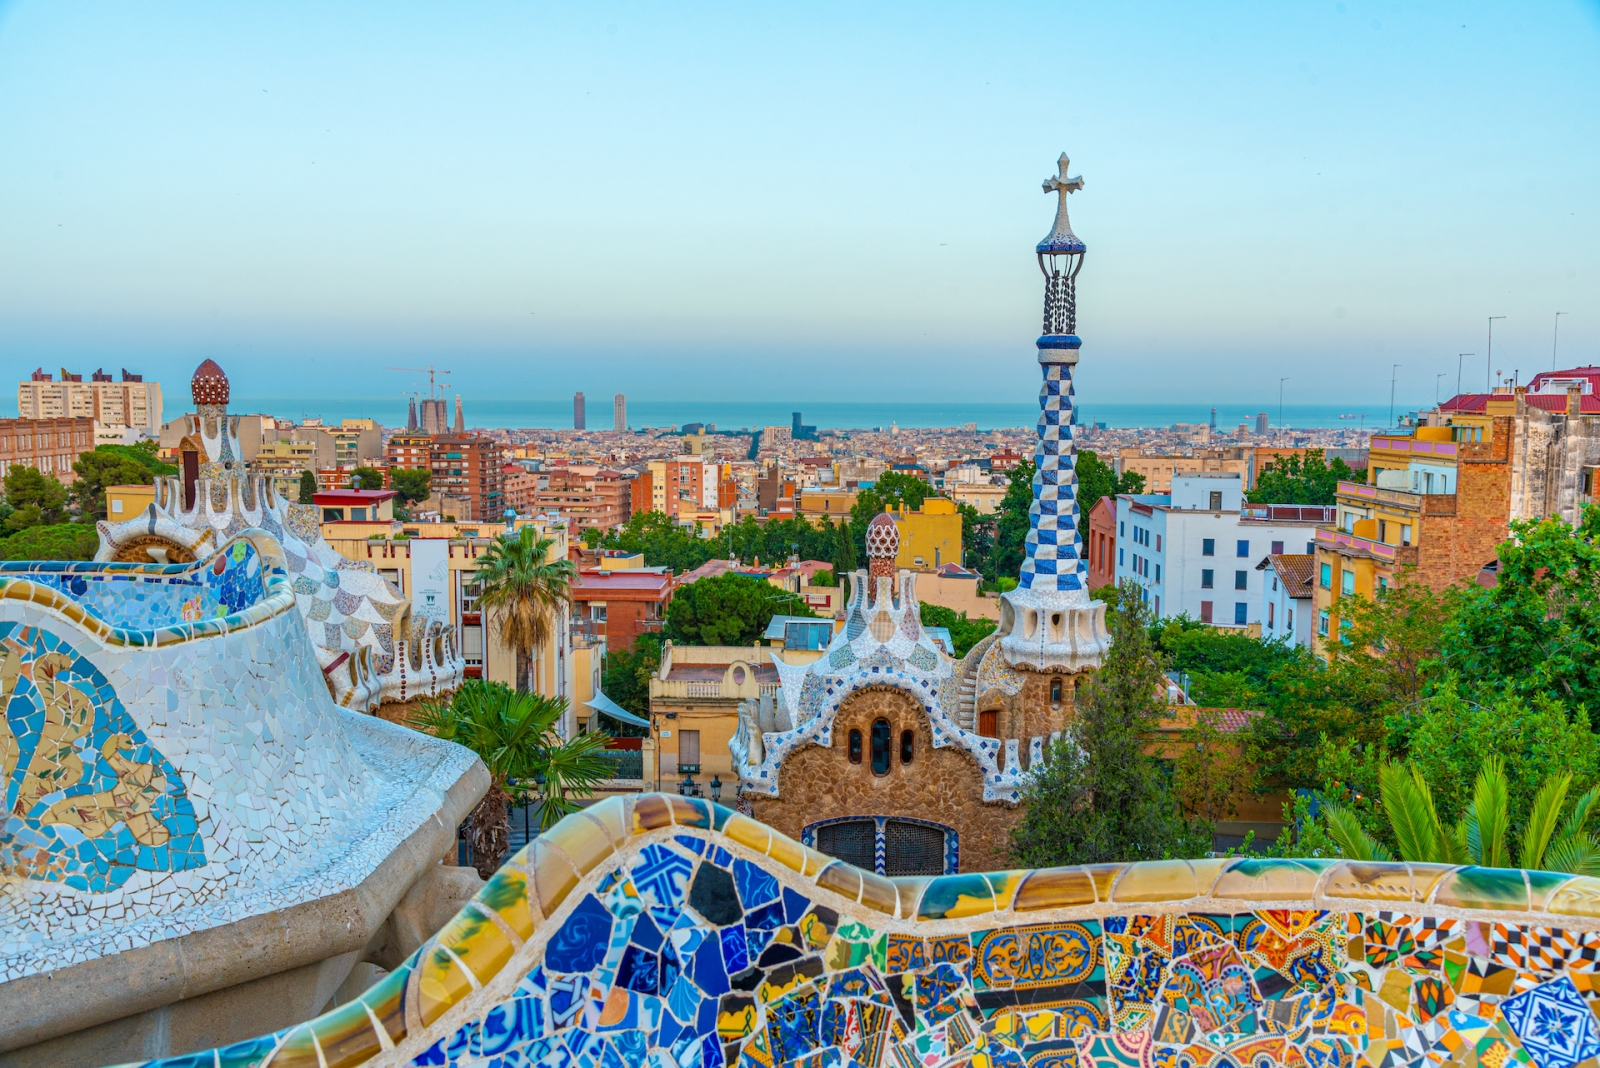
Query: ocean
{"x": 825, "y": 415}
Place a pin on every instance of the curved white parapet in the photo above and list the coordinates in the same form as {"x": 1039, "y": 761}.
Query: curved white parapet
{"x": 1052, "y": 630}
{"x": 173, "y": 762}
{"x": 369, "y": 644}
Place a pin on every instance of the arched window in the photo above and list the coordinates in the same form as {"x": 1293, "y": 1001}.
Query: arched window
{"x": 880, "y": 746}
{"x": 855, "y": 747}
{"x": 907, "y": 743}
{"x": 989, "y": 723}
{"x": 1055, "y": 691}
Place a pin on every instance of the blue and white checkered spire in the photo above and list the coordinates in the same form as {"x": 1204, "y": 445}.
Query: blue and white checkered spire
{"x": 1054, "y": 557}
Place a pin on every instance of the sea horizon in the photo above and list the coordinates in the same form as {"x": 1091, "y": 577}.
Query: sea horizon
{"x": 533, "y": 414}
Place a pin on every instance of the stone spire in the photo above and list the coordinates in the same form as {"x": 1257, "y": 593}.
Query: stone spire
{"x": 1048, "y": 622}
{"x": 411, "y": 414}
{"x": 461, "y": 424}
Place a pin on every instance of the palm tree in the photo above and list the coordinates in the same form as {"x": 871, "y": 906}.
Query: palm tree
{"x": 517, "y": 736}
{"x": 523, "y": 590}
{"x": 1480, "y": 835}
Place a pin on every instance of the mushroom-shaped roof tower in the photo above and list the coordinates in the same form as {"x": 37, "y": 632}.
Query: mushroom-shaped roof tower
{"x": 209, "y": 385}
{"x": 883, "y": 537}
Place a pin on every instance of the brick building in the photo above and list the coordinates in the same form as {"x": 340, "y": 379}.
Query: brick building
{"x": 409, "y": 449}
{"x": 588, "y": 496}
{"x": 1435, "y": 509}
{"x": 621, "y": 599}
{"x": 467, "y": 467}
{"x": 51, "y": 446}
{"x": 1102, "y": 547}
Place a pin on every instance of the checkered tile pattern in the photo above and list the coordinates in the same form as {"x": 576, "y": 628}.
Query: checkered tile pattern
{"x": 1054, "y": 551}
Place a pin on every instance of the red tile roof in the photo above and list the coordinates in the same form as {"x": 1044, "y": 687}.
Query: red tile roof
{"x": 1295, "y": 569}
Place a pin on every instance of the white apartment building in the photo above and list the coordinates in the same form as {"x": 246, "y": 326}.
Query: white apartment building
{"x": 1196, "y": 550}
{"x": 1287, "y": 598}
{"x": 129, "y": 403}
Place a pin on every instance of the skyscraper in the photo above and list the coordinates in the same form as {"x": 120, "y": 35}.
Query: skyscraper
{"x": 1049, "y": 622}
{"x": 577, "y": 412}
{"x": 1261, "y": 423}
{"x": 619, "y": 413}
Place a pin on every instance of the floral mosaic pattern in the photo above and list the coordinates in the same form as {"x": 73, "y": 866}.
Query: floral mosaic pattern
{"x": 89, "y": 800}
{"x": 681, "y": 934}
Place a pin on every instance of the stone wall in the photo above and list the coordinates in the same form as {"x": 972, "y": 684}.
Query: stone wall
{"x": 943, "y": 785}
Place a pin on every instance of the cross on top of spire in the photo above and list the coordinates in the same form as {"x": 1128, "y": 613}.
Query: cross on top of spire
{"x": 1061, "y": 238}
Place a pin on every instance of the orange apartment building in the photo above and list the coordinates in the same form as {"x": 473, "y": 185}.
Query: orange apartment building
{"x": 1102, "y": 547}
{"x": 467, "y": 467}
{"x": 50, "y": 446}
{"x": 409, "y": 449}
{"x": 589, "y": 496}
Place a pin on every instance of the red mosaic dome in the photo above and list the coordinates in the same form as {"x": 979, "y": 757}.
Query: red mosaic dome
{"x": 883, "y": 537}
{"x": 209, "y": 385}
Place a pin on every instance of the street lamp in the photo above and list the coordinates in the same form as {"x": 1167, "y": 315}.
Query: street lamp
{"x": 687, "y": 787}
{"x": 1488, "y": 361}
{"x": 716, "y": 787}
{"x": 1393, "y": 371}
{"x": 1459, "y": 358}
{"x": 1281, "y": 381}
{"x": 1436, "y": 378}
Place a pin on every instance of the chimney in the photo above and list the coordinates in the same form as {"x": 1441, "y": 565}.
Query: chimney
{"x": 1574, "y": 399}
{"x": 1521, "y": 407}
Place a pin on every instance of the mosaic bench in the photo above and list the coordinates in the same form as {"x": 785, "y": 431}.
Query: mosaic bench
{"x": 670, "y": 931}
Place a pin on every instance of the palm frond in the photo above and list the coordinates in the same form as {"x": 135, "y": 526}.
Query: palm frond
{"x": 1450, "y": 846}
{"x": 1577, "y": 821}
{"x": 1490, "y": 813}
{"x": 1542, "y": 817}
{"x": 1353, "y": 840}
{"x": 1578, "y": 854}
{"x": 1409, "y": 807}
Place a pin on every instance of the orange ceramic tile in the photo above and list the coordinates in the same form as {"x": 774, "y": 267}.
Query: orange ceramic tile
{"x": 585, "y": 843}
{"x": 1104, "y": 876}
{"x": 441, "y": 983}
{"x": 748, "y": 833}
{"x": 1579, "y": 897}
{"x": 690, "y": 812}
{"x": 553, "y": 877}
{"x": 507, "y": 894}
{"x": 1266, "y": 880}
{"x": 841, "y": 878}
{"x": 478, "y": 941}
{"x": 1366, "y": 881}
{"x": 1155, "y": 880}
{"x": 346, "y": 1036}
{"x": 786, "y": 851}
{"x": 650, "y": 812}
{"x": 815, "y": 861}
{"x": 1054, "y": 888}
{"x": 1425, "y": 877}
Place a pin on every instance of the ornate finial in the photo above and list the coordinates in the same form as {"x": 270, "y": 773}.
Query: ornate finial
{"x": 1061, "y": 238}
{"x": 209, "y": 385}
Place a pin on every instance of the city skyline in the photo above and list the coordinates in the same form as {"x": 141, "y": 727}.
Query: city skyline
{"x": 1268, "y": 191}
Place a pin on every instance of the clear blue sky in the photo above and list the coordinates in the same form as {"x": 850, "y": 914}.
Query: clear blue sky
{"x": 822, "y": 200}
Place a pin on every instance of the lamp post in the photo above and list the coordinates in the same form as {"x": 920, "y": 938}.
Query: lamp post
{"x": 1459, "y": 358}
{"x": 1281, "y": 381}
{"x": 687, "y": 787}
{"x": 716, "y": 787}
{"x": 1436, "y": 378}
{"x": 1393, "y": 372}
{"x": 1488, "y": 361}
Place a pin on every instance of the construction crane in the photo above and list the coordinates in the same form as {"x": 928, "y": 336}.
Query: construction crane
{"x": 429, "y": 370}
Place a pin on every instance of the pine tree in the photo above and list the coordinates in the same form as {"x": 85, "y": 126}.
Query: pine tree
{"x": 308, "y": 486}
{"x": 844, "y": 552}
{"x": 1099, "y": 798}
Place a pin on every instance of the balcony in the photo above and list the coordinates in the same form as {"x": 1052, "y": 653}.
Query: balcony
{"x": 1397, "y": 499}
{"x": 1370, "y": 548}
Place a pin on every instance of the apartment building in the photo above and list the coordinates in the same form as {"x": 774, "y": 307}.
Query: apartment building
{"x": 467, "y": 468}
{"x": 619, "y": 598}
{"x": 130, "y": 401}
{"x": 409, "y": 449}
{"x": 1102, "y": 546}
{"x": 1288, "y": 600}
{"x": 50, "y": 446}
{"x": 588, "y": 496}
{"x": 1436, "y": 507}
{"x": 1195, "y": 551}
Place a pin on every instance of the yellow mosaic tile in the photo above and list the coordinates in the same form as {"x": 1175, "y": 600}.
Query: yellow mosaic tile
{"x": 842, "y": 879}
{"x": 1054, "y": 888}
{"x": 1483, "y": 888}
{"x": 1369, "y": 882}
{"x": 441, "y": 983}
{"x": 386, "y": 1000}
{"x": 553, "y": 877}
{"x": 479, "y": 943}
{"x": 748, "y": 833}
{"x": 1155, "y": 880}
{"x": 507, "y": 894}
{"x": 879, "y": 894}
{"x": 1252, "y": 880}
{"x": 1578, "y": 897}
{"x": 585, "y": 844}
{"x": 346, "y": 1036}
{"x": 650, "y": 813}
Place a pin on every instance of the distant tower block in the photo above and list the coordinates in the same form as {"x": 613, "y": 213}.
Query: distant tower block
{"x": 411, "y": 414}
{"x": 619, "y": 413}
{"x": 1261, "y": 423}
{"x": 1049, "y": 622}
{"x": 461, "y": 424}
{"x": 578, "y": 421}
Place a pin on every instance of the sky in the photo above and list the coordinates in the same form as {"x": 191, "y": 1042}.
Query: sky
{"x": 805, "y": 201}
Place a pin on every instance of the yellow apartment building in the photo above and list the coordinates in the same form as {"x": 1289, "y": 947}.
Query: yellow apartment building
{"x": 929, "y": 536}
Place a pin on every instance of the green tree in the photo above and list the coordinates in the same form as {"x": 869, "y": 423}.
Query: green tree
{"x": 1011, "y": 524}
{"x": 1097, "y": 479}
{"x": 977, "y": 538}
{"x": 1210, "y": 771}
{"x": 101, "y": 468}
{"x": 895, "y": 488}
{"x": 518, "y": 737}
{"x": 410, "y": 484}
{"x": 61, "y": 541}
{"x": 844, "y": 550}
{"x": 728, "y": 609}
{"x": 524, "y": 590}
{"x": 1539, "y": 627}
{"x": 144, "y": 453}
{"x": 626, "y": 679}
{"x": 824, "y": 578}
{"x": 1300, "y": 479}
{"x": 662, "y": 541}
{"x": 308, "y": 487}
{"x": 1099, "y": 798}
{"x": 36, "y": 499}
{"x": 964, "y": 632}
{"x": 371, "y": 478}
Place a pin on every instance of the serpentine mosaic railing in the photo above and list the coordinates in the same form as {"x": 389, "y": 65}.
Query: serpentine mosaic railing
{"x": 669, "y": 931}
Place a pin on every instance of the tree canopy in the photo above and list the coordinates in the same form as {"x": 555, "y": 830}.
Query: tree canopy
{"x": 1097, "y": 479}
{"x": 1300, "y": 479}
{"x": 35, "y": 499}
{"x": 410, "y": 484}
{"x": 99, "y": 469}
{"x": 728, "y": 610}
{"x": 964, "y": 632}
